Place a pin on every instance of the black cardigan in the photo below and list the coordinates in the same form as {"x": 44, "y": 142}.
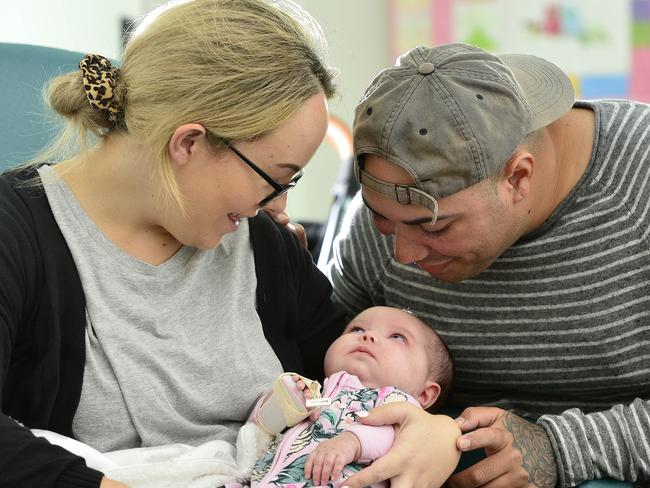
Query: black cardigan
{"x": 42, "y": 323}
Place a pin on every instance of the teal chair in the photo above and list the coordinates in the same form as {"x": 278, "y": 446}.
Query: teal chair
{"x": 25, "y": 126}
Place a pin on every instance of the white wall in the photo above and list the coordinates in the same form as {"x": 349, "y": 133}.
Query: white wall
{"x": 79, "y": 25}
{"x": 358, "y": 47}
{"x": 355, "y": 29}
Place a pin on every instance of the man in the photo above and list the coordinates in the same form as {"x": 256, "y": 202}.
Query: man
{"x": 516, "y": 223}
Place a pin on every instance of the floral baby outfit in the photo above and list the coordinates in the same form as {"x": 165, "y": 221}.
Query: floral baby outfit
{"x": 283, "y": 464}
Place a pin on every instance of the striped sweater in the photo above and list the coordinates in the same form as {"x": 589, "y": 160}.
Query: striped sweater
{"x": 559, "y": 325}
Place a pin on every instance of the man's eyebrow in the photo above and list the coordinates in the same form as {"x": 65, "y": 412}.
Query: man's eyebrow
{"x": 418, "y": 221}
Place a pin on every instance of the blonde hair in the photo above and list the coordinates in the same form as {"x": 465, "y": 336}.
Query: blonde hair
{"x": 239, "y": 67}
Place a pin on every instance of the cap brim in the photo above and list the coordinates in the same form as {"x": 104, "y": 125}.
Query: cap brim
{"x": 547, "y": 88}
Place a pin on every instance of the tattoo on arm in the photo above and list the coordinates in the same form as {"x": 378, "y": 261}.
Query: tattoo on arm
{"x": 533, "y": 443}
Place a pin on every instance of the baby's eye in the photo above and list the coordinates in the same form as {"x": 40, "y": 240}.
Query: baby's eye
{"x": 398, "y": 337}
{"x": 356, "y": 330}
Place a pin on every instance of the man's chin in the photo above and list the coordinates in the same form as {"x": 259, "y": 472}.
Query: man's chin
{"x": 451, "y": 271}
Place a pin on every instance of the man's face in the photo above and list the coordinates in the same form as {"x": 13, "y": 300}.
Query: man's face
{"x": 474, "y": 226}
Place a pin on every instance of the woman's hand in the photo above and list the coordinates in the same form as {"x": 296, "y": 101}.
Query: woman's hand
{"x": 518, "y": 452}
{"x": 109, "y": 483}
{"x": 423, "y": 455}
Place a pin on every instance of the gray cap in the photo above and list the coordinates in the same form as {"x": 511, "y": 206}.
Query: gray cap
{"x": 452, "y": 115}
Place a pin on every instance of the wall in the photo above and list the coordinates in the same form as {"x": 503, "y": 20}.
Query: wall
{"x": 77, "y": 25}
{"x": 358, "y": 47}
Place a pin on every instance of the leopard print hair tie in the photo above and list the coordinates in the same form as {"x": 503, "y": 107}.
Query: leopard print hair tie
{"x": 99, "y": 84}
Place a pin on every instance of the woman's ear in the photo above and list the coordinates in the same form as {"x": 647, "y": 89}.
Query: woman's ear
{"x": 429, "y": 394}
{"x": 517, "y": 175}
{"x": 185, "y": 142}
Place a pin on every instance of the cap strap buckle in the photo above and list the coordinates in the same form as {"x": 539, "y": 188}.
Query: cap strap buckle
{"x": 402, "y": 194}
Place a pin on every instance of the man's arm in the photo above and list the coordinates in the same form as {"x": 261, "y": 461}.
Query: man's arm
{"x": 560, "y": 450}
{"x": 610, "y": 444}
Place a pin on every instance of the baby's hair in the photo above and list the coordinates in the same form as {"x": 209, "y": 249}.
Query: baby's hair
{"x": 441, "y": 363}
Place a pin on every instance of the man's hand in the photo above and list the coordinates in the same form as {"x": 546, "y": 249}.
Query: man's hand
{"x": 330, "y": 457}
{"x": 282, "y": 218}
{"x": 519, "y": 453}
{"x": 423, "y": 455}
{"x": 108, "y": 483}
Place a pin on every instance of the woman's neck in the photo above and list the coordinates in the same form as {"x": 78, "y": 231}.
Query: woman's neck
{"x": 117, "y": 187}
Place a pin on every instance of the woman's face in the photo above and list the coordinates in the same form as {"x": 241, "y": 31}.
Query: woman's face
{"x": 220, "y": 189}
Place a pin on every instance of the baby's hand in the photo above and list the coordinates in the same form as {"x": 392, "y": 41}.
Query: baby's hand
{"x": 307, "y": 394}
{"x": 328, "y": 459}
{"x": 301, "y": 386}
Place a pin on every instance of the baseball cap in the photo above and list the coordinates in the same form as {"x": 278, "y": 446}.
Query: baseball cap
{"x": 452, "y": 115}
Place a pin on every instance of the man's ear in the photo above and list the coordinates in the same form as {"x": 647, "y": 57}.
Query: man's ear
{"x": 429, "y": 394}
{"x": 517, "y": 175}
{"x": 184, "y": 142}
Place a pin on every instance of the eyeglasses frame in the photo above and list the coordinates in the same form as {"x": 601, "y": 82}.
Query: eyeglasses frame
{"x": 278, "y": 188}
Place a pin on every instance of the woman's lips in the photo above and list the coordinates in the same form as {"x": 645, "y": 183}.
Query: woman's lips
{"x": 235, "y": 219}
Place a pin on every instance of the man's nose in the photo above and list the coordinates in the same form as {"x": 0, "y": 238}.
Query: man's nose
{"x": 406, "y": 247}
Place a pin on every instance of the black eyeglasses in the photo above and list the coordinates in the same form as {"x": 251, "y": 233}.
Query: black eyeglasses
{"x": 278, "y": 188}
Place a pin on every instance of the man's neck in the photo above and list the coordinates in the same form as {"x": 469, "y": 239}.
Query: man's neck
{"x": 573, "y": 138}
{"x": 563, "y": 161}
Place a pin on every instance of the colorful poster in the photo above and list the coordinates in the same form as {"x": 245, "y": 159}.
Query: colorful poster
{"x": 603, "y": 46}
{"x": 410, "y": 24}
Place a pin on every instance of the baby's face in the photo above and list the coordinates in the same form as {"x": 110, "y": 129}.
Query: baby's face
{"x": 382, "y": 346}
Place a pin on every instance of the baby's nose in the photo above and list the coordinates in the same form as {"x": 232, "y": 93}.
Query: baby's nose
{"x": 368, "y": 338}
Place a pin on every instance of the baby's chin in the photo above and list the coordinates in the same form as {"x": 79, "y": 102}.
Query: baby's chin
{"x": 369, "y": 381}
{"x": 365, "y": 379}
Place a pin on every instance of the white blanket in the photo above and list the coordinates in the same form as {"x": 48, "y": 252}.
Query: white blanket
{"x": 176, "y": 465}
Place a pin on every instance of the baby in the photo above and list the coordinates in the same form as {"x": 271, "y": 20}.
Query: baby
{"x": 384, "y": 355}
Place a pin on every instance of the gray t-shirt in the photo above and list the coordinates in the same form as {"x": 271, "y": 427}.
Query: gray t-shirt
{"x": 175, "y": 353}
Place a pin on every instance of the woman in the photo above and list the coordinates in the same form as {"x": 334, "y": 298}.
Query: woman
{"x": 143, "y": 300}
